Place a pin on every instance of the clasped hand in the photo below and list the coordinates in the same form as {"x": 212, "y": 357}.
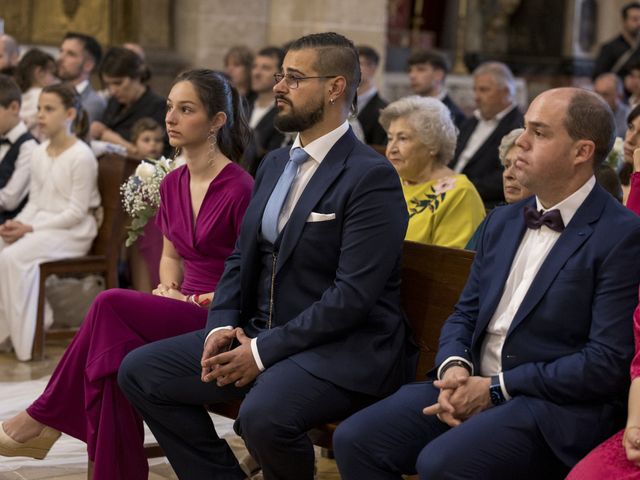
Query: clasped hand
{"x": 226, "y": 366}
{"x": 170, "y": 291}
{"x": 13, "y": 230}
{"x": 461, "y": 396}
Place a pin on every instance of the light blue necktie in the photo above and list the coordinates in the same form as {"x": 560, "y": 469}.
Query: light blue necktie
{"x": 279, "y": 194}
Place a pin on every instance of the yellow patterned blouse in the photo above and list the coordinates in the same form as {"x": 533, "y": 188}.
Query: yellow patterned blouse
{"x": 443, "y": 212}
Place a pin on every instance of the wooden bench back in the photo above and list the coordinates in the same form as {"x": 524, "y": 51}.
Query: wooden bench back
{"x": 113, "y": 170}
{"x": 432, "y": 279}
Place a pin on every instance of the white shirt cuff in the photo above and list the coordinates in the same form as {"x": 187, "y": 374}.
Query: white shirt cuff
{"x": 444, "y": 364}
{"x": 503, "y": 387}
{"x": 256, "y": 355}
{"x": 228, "y": 327}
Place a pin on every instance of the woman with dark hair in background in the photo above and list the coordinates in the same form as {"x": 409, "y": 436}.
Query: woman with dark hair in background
{"x": 238, "y": 62}
{"x": 201, "y": 208}
{"x": 125, "y": 75}
{"x": 56, "y": 222}
{"x": 35, "y": 70}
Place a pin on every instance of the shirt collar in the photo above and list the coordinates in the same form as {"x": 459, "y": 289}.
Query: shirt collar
{"x": 499, "y": 116}
{"x": 82, "y": 86}
{"x": 16, "y": 132}
{"x": 569, "y": 206}
{"x": 319, "y": 148}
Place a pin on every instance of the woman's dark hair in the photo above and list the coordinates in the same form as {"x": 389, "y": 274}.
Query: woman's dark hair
{"x": 217, "y": 95}
{"x": 122, "y": 62}
{"x": 26, "y": 69}
{"x": 633, "y": 114}
{"x": 71, "y": 99}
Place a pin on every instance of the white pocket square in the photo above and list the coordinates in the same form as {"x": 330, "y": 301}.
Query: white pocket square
{"x": 321, "y": 217}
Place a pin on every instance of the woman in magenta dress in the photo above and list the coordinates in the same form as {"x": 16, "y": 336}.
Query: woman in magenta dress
{"x": 619, "y": 456}
{"x": 202, "y": 205}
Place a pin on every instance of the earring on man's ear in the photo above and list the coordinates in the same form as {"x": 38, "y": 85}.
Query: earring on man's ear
{"x": 332, "y": 101}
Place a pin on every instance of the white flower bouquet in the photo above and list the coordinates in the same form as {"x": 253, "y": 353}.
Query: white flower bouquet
{"x": 615, "y": 158}
{"x": 141, "y": 194}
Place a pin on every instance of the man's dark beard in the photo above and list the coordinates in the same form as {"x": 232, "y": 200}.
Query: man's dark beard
{"x": 298, "y": 121}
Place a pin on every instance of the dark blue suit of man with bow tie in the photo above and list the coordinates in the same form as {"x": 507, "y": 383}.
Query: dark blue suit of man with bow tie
{"x": 311, "y": 292}
{"x": 533, "y": 363}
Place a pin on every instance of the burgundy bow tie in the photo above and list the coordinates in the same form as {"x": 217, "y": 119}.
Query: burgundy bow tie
{"x": 535, "y": 219}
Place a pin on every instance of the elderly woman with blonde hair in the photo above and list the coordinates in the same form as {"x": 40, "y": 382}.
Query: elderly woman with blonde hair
{"x": 444, "y": 207}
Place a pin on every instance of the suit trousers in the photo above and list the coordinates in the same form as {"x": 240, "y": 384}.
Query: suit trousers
{"x": 393, "y": 437}
{"x": 163, "y": 381}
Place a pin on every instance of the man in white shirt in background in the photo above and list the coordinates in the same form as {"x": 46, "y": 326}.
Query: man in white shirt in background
{"x": 532, "y": 366}
{"x": 79, "y": 55}
{"x": 262, "y": 107}
{"x": 496, "y": 115}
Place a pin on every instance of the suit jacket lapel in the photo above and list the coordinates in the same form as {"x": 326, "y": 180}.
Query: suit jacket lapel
{"x": 330, "y": 168}
{"x": 574, "y": 235}
{"x": 506, "y": 248}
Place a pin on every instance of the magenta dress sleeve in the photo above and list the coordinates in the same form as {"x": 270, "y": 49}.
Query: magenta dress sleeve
{"x": 633, "y": 202}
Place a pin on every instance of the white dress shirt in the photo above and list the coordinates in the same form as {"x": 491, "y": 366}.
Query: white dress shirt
{"x": 17, "y": 187}
{"x": 258, "y": 113}
{"x": 82, "y": 86}
{"x": 317, "y": 151}
{"x": 532, "y": 252}
{"x": 483, "y": 130}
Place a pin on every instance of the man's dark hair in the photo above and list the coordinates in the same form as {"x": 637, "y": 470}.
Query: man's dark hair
{"x": 627, "y": 7}
{"x": 433, "y": 58}
{"x": 589, "y": 117}
{"x": 9, "y": 91}
{"x": 369, "y": 53}
{"x": 336, "y": 56}
{"x": 89, "y": 43}
{"x": 273, "y": 52}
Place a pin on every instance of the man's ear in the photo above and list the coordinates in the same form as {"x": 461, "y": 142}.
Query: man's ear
{"x": 584, "y": 151}
{"x": 337, "y": 87}
{"x": 14, "y": 107}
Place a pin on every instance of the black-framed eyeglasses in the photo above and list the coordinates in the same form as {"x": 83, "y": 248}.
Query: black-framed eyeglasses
{"x": 292, "y": 81}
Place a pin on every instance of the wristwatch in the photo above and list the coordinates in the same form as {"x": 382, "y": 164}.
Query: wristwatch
{"x": 495, "y": 391}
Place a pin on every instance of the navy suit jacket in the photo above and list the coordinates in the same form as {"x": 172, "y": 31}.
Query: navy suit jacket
{"x": 484, "y": 168}
{"x": 568, "y": 350}
{"x": 337, "y": 283}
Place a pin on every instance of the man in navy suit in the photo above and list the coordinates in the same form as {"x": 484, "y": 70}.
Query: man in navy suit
{"x": 532, "y": 367}
{"x": 311, "y": 294}
{"x": 497, "y": 114}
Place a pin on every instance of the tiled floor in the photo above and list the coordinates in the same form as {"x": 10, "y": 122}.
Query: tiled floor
{"x": 60, "y": 469}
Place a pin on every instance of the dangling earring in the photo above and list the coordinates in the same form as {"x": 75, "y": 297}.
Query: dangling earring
{"x": 212, "y": 139}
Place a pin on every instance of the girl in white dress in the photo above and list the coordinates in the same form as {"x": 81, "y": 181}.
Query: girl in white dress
{"x": 57, "y": 221}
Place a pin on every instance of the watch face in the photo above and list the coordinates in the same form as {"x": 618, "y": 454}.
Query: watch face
{"x": 495, "y": 397}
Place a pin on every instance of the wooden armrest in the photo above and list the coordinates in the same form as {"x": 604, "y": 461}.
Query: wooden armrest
{"x": 87, "y": 264}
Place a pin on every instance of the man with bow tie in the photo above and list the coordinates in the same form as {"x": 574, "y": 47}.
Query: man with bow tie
{"x": 310, "y": 295}
{"x": 532, "y": 367}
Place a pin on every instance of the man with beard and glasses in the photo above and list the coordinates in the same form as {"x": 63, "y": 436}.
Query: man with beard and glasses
{"x": 306, "y": 323}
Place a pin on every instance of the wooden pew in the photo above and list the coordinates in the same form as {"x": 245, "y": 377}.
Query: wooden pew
{"x": 432, "y": 279}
